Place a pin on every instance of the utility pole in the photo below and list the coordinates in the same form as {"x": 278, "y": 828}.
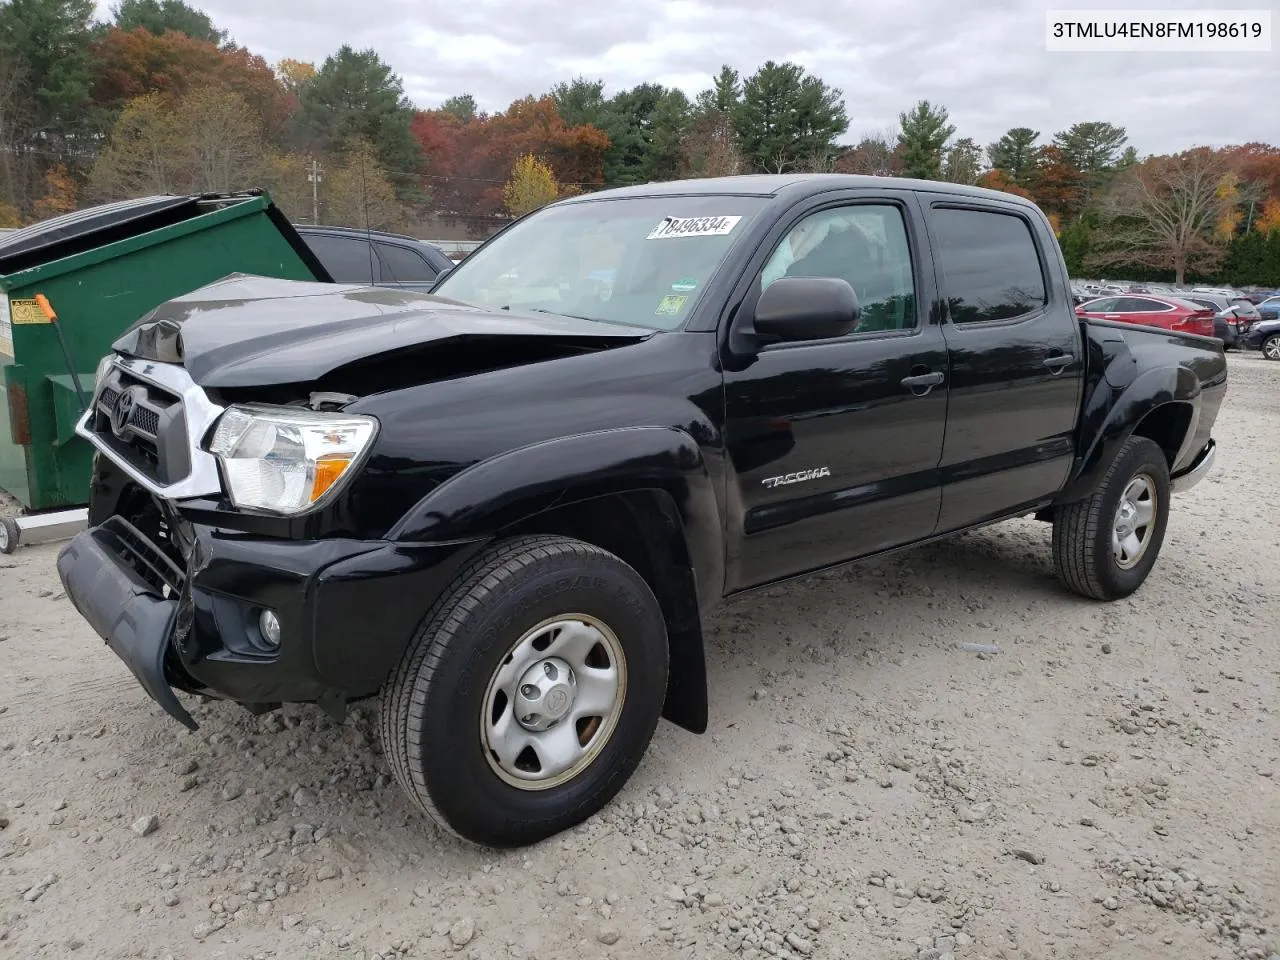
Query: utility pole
{"x": 314, "y": 177}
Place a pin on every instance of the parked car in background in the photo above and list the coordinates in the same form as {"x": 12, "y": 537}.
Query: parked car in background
{"x": 1269, "y": 309}
{"x": 1168, "y": 313}
{"x": 1265, "y": 336}
{"x": 1235, "y": 314}
{"x": 352, "y": 255}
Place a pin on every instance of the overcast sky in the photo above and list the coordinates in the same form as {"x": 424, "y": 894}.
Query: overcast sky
{"x": 985, "y": 60}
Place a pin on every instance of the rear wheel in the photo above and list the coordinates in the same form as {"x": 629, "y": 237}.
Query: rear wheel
{"x": 1104, "y": 547}
{"x": 531, "y": 692}
{"x": 1271, "y": 347}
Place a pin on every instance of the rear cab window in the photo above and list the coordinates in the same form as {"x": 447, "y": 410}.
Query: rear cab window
{"x": 991, "y": 268}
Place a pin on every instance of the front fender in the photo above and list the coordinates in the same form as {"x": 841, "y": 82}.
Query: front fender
{"x": 495, "y": 493}
{"x": 1111, "y": 413}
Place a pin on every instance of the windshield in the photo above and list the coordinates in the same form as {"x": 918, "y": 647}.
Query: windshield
{"x": 642, "y": 261}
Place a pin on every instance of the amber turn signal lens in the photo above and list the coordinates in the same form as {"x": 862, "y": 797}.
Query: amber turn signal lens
{"x": 328, "y": 470}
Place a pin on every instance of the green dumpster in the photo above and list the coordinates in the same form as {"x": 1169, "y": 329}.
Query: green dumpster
{"x": 100, "y": 270}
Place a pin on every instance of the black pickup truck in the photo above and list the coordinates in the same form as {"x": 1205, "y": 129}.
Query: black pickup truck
{"x": 506, "y": 506}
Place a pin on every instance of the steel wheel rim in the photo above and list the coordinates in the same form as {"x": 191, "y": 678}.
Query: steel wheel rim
{"x": 574, "y": 716}
{"x": 1272, "y": 348}
{"x": 1134, "y": 522}
{"x": 4, "y": 537}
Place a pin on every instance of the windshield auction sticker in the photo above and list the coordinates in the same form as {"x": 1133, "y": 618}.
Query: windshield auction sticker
{"x": 693, "y": 227}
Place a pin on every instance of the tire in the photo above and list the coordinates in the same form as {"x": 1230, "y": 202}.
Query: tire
{"x": 440, "y": 708}
{"x": 1083, "y": 550}
{"x": 9, "y": 535}
{"x": 1271, "y": 347}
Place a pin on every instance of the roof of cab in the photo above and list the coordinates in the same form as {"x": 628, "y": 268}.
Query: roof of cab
{"x": 773, "y": 184}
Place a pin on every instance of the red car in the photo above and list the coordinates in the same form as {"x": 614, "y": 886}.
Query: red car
{"x": 1168, "y": 313}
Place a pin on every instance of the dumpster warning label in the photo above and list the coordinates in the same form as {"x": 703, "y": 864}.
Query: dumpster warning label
{"x": 27, "y": 311}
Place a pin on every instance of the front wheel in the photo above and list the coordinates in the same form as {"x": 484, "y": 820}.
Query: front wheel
{"x": 1105, "y": 546}
{"x": 1271, "y": 347}
{"x": 531, "y": 692}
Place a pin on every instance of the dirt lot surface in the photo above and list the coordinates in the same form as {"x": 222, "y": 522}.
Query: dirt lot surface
{"x": 1105, "y": 786}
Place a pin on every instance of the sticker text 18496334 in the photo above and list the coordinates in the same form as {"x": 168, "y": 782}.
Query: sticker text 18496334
{"x": 693, "y": 227}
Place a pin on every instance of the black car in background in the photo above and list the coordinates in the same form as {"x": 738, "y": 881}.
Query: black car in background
{"x": 352, "y": 255}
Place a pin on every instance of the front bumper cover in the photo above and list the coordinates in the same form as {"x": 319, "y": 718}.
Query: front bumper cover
{"x": 125, "y": 610}
{"x": 348, "y": 609}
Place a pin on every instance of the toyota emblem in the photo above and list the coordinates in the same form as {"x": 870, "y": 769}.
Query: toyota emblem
{"x": 122, "y": 410}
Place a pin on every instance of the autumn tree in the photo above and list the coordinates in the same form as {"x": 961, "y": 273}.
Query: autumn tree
{"x": 875, "y": 154}
{"x": 532, "y": 185}
{"x": 294, "y": 75}
{"x": 59, "y": 193}
{"x": 207, "y": 141}
{"x": 159, "y": 16}
{"x": 786, "y": 117}
{"x": 136, "y": 62}
{"x": 356, "y": 97}
{"x": 923, "y": 134}
{"x": 485, "y": 151}
{"x": 1014, "y": 153}
{"x": 1166, "y": 213}
{"x": 357, "y": 191}
{"x": 1055, "y": 183}
{"x": 997, "y": 179}
{"x": 709, "y": 147}
{"x": 142, "y": 156}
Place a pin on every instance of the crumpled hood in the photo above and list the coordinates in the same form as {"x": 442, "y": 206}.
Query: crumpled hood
{"x": 245, "y": 331}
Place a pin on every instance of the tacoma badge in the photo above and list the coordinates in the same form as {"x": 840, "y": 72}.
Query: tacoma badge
{"x": 799, "y": 476}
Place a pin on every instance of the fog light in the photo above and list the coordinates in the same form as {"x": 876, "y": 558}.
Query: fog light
{"x": 269, "y": 624}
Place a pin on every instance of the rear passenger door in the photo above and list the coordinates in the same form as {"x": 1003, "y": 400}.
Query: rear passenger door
{"x": 1015, "y": 354}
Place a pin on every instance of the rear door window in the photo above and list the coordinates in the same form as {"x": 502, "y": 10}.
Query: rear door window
{"x": 347, "y": 260}
{"x": 990, "y": 265}
{"x": 402, "y": 265}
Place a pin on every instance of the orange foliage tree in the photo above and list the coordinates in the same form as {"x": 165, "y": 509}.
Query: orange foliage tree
{"x": 996, "y": 179}
{"x": 59, "y": 193}
{"x": 129, "y": 64}
{"x": 475, "y": 158}
{"x": 1056, "y": 184}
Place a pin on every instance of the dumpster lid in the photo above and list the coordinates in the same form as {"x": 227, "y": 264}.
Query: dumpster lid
{"x": 81, "y": 230}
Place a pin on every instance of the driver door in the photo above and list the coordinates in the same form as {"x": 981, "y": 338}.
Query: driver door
{"x": 834, "y": 445}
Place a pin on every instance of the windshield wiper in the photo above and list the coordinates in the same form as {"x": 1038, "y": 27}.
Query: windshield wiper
{"x": 550, "y": 313}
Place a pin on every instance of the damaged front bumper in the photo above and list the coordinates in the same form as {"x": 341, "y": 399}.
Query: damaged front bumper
{"x": 126, "y": 610}
{"x": 347, "y": 609}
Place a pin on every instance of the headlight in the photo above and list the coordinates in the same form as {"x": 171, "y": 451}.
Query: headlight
{"x": 285, "y": 459}
{"x": 104, "y": 366}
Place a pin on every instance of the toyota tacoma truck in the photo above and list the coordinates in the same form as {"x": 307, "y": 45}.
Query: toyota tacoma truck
{"x": 505, "y": 507}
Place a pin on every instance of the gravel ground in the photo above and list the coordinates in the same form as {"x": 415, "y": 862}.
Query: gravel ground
{"x": 1104, "y": 786}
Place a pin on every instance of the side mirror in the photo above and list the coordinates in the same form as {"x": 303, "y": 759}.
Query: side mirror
{"x": 443, "y": 273}
{"x": 1080, "y": 310}
{"x": 806, "y": 308}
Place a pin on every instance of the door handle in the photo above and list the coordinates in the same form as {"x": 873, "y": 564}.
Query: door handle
{"x": 922, "y": 383}
{"x": 1059, "y": 362}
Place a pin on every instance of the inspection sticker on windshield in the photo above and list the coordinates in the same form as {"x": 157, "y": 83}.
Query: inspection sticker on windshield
{"x": 693, "y": 227}
{"x": 669, "y": 306}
